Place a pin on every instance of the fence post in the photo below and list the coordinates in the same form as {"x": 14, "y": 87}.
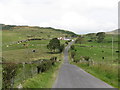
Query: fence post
{"x": 23, "y": 70}
{"x": 12, "y": 82}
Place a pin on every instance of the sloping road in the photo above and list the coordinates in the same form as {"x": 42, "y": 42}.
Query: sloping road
{"x": 71, "y": 76}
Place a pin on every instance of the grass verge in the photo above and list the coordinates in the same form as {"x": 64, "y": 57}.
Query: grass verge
{"x": 104, "y": 72}
{"x": 43, "y": 80}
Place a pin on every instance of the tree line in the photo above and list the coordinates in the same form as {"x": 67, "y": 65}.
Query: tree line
{"x": 99, "y": 37}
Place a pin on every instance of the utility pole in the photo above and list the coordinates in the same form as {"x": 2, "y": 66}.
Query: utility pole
{"x": 112, "y": 47}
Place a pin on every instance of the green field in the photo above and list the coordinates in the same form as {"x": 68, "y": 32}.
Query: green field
{"x": 98, "y": 50}
{"x": 17, "y": 52}
{"x": 95, "y": 53}
{"x": 14, "y": 51}
{"x": 103, "y": 58}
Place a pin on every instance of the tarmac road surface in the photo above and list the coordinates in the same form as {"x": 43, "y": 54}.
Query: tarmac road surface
{"x": 71, "y": 76}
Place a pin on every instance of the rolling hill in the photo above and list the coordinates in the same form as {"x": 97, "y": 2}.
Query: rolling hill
{"x": 113, "y": 32}
{"x": 12, "y": 33}
{"x": 14, "y": 39}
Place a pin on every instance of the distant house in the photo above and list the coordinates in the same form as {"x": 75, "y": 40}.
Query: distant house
{"x": 64, "y": 38}
{"x": 61, "y": 38}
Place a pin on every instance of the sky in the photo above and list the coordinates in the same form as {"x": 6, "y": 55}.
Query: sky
{"x": 79, "y": 16}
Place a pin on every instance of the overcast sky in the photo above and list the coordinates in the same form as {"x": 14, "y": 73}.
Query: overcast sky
{"x": 79, "y": 16}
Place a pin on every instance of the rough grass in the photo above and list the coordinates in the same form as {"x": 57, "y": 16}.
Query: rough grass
{"x": 105, "y": 72}
{"x": 22, "y": 33}
{"x": 0, "y": 76}
{"x": 98, "y": 50}
{"x": 44, "y": 80}
{"x": 106, "y": 69}
{"x": 96, "y": 54}
{"x": 19, "y": 53}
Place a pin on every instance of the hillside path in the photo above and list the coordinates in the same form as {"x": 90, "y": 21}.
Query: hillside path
{"x": 71, "y": 76}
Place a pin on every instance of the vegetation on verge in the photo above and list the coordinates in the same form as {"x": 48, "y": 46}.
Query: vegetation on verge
{"x": 43, "y": 80}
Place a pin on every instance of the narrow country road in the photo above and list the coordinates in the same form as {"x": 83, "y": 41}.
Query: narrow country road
{"x": 71, "y": 76}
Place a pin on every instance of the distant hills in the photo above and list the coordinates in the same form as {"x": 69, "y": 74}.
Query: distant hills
{"x": 15, "y": 33}
{"x": 113, "y": 32}
{"x": 9, "y": 27}
{"x": 12, "y": 27}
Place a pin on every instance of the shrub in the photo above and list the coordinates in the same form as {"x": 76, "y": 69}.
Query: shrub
{"x": 100, "y": 36}
{"x": 9, "y": 72}
{"x": 72, "y": 47}
{"x": 89, "y": 40}
{"x": 46, "y": 64}
{"x": 76, "y": 60}
{"x": 66, "y": 42}
{"x": 53, "y": 60}
{"x": 69, "y": 40}
{"x": 80, "y": 40}
{"x": 73, "y": 54}
{"x": 86, "y": 58}
{"x": 61, "y": 48}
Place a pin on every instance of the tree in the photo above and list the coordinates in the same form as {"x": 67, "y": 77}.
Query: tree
{"x": 61, "y": 48}
{"x": 9, "y": 72}
{"x": 72, "y": 47}
{"x": 66, "y": 42}
{"x": 80, "y": 40}
{"x": 73, "y": 54}
{"x": 54, "y": 44}
{"x": 91, "y": 36}
{"x": 100, "y": 36}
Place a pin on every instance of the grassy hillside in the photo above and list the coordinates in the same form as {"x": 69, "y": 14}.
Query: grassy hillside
{"x": 99, "y": 59}
{"x": 113, "y": 32}
{"x": 15, "y": 51}
{"x": 29, "y": 43}
{"x": 15, "y": 33}
{"x": 98, "y": 50}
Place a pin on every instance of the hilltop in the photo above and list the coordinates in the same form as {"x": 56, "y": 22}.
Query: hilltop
{"x": 113, "y": 32}
{"x": 13, "y": 33}
{"x": 17, "y": 40}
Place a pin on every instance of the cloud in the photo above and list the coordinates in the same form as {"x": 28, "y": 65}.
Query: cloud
{"x": 80, "y": 16}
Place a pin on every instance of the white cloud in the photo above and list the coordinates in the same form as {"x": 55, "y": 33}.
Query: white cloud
{"x": 80, "y": 16}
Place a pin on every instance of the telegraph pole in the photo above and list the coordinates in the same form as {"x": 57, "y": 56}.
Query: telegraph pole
{"x": 112, "y": 47}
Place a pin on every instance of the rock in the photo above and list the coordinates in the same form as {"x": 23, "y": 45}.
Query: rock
{"x": 20, "y": 86}
{"x": 33, "y": 51}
